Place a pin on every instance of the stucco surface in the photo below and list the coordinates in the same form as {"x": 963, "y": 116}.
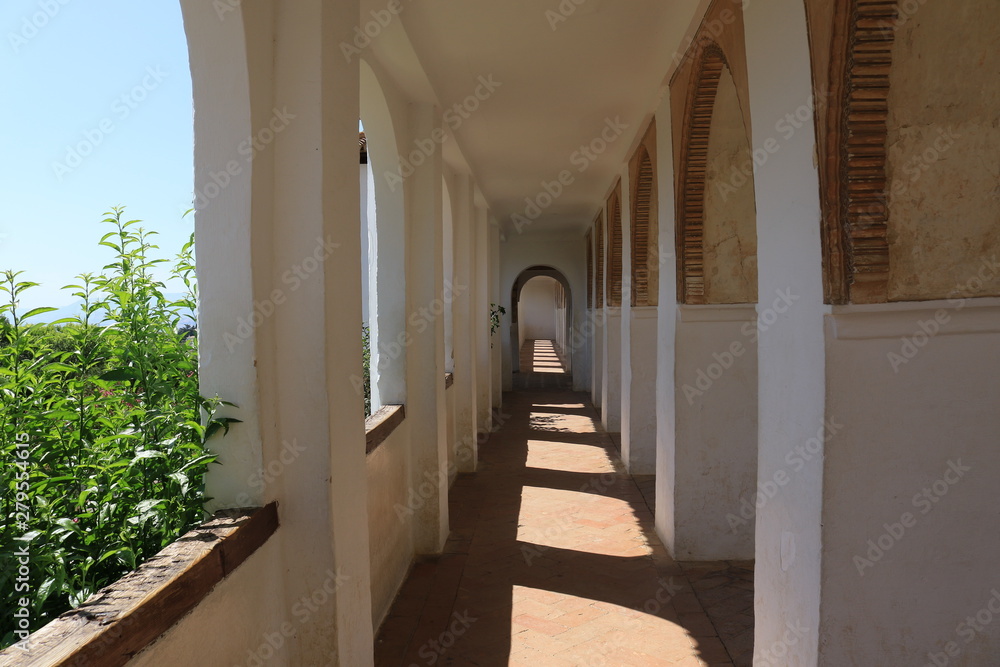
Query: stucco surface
{"x": 909, "y": 489}
{"x": 944, "y": 151}
{"x": 730, "y": 241}
{"x": 390, "y": 525}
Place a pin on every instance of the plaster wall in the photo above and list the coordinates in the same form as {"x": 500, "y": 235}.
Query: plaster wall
{"x": 219, "y": 632}
{"x": 564, "y": 252}
{"x": 390, "y": 526}
{"x": 596, "y": 316}
{"x": 496, "y": 349}
{"x": 481, "y": 320}
{"x": 639, "y": 449}
{"x": 464, "y": 337}
{"x": 611, "y": 399}
{"x": 944, "y": 151}
{"x": 716, "y": 437}
{"x": 910, "y": 484}
{"x": 537, "y": 309}
{"x": 730, "y": 234}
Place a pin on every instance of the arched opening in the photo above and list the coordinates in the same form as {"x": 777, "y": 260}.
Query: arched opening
{"x": 541, "y": 319}
{"x": 614, "y": 284}
{"x": 384, "y": 271}
{"x": 716, "y": 352}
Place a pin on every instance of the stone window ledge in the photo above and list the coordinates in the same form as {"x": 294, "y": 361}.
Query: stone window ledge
{"x": 122, "y": 619}
{"x": 380, "y": 425}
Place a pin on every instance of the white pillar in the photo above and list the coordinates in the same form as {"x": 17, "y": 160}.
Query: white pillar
{"x": 598, "y": 320}
{"x": 496, "y": 351}
{"x": 481, "y": 316}
{"x": 464, "y": 318}
{"x": 611, "y": 390}
{"x": 426, "y": 410}
{"x": 305, "y": 271}
{"x": 638, "y": 360}
{"x": 791, "y": 350}
{"x": 225, "y": 257}
{"x": 625, "y": 321}
{"x": 666, "y": 331}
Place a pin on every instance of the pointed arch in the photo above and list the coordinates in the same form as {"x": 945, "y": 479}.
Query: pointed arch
{"x": 645, "y": 224}
{"x": 614, "y": 285}
{"x": 694, "y": 162}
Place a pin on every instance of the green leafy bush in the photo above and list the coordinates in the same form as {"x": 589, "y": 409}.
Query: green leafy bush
{"x": 111, "y": 427}
{"x": 366, "y": 360}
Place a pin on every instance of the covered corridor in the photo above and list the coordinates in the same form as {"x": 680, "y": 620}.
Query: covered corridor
{"x": 778, "y": 298}
{"x": 553, "y": 560}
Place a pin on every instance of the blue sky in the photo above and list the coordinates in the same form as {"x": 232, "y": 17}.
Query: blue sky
{"x": 107, "y": 78}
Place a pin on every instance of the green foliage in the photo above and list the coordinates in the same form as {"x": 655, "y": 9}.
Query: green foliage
{"x": 108, "y": 407}
{"x": 496, "y": 311}
{"x": 366, "y": 358}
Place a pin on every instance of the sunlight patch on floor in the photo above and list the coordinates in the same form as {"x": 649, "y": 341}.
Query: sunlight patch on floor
{"x": 580, "y": 521}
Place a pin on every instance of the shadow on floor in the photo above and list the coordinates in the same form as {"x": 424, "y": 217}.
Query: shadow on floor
{"x": 542, "y": 366}
{"x": 553, "y": 560}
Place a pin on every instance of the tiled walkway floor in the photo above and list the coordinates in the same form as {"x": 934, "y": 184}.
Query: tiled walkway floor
{"x": 553, "y": 561}
{"x": 542, "y": 366}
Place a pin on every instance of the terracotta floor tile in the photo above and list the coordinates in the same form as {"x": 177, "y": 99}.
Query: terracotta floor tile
{"x": 558, "y": 561}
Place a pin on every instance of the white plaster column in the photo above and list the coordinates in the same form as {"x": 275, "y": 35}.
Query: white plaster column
{"x": 481, "y": 315}
{"x": 611, "y": 399}
{"x": 306, "y": 277}
{"x": 791, "y": 349}
{"x": 228, "y": 343}
{"x": 426, "y": 409}
{"x": 611, "y": 376}
{"x": 638, "y": 362}
{"x": 666, "y": 331}
{"x": 597, "y": 321}
{"x": 625, "y": 321}
{"x": 496, "y": 351}
{"x": 639, "y": 412}
{"x": 463, "y": 317}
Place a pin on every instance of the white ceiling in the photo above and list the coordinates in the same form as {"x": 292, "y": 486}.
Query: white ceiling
{"x": 608, "y": 60}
